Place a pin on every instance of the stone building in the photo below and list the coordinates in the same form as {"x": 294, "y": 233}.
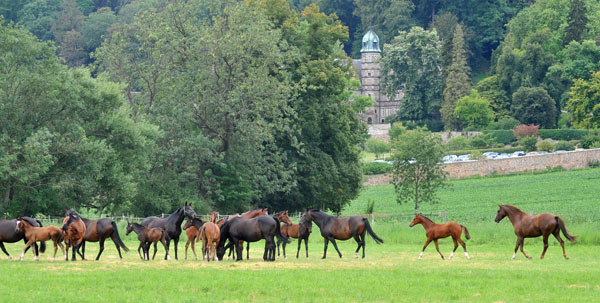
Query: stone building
{"x": 369, "y": 72}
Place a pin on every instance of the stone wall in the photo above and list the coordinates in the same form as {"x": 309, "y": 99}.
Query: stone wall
{"x": 568, "y": 160}
{"x": 380, "y": 131}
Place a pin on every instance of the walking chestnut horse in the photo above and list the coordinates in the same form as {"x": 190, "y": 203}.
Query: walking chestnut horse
{"x": 39, "y": 234}
{"x": 74, "y": 231}
{"x": 438, "y": 231}
{"x": 192, "y": 230}
{"x": 8, "y": 233}
{"x": 528, "y": 226}
{"x": 299, "y": 231}
{"x": 210, "y": 235}
{"x": 333, "y": 228}
{"x": 147, "y": 236}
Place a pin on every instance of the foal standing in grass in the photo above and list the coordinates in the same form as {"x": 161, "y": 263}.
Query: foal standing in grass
{"x": 437, "y": 231}
{"x": 40, "y": 234}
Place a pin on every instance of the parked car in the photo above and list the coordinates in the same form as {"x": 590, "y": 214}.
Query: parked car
{"x": 383, "y": 161}
{"x": 449, "y": 158}
{"x": 519, "y": 153}
{"x": 490, "y": 155}
{"x": 542, "y": 152}
{"x": 502, "y": 156}
{"x": 466, "y": 157}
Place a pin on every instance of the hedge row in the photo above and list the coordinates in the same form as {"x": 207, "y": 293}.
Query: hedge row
{"x": 376, "y": 168}
{"x": 504, "y": 136}
{"x": 563, "y": 134}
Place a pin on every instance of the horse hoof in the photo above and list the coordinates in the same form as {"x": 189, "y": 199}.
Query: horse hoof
{"x": 355, "y": 256}
{"x": 10, "y": 257}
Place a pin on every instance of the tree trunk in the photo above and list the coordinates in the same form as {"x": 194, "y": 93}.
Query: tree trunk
{"x": 416, "y": 199}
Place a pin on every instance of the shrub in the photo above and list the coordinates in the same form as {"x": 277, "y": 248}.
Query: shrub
{"x": 590, "y": 141}
{"x": 375, "y": 168}
{"x": 564, "y": 145}
{"x": 501, "y": 136}
{"x": 396, "y": 130}
{"x": 528, "y": 143}
{"x": 504, "y": 123}
{"x": 522, "y": 131}
{"x": 482, "y": 141}
{"x": 432, "y": 125}
{"x": 370, "y": 206}
{"x": 563, "y": 134}
{"x": 377, "y": 146}
{"x": 545, "y": 145}
{"x": 477, "y": 155}
{"x": 458, "y": 142}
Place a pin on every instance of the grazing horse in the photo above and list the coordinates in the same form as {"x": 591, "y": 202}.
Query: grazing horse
{"x": 210, "y": 235}
{"x": 8, "y": 233}
{"x": 299, "y": 231}
{"x": 171, "y": 224}
{"x": 35, "y": 234}
{"x": 192, "y": 230}
{"x": 528, "y": 226}
{"x": 435, "y": 231}
{"x": 74, "y": 231}
{"x": 250, "y": 230}
{"x": 147, "y": 236}
{"x": 247, "y": 215}
{"x": 333, "y": 228}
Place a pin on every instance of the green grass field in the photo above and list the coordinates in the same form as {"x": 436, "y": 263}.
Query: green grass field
{"x": 390, "y": 272}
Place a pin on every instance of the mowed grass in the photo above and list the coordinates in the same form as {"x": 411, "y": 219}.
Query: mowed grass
{"x": 389, "y": 273}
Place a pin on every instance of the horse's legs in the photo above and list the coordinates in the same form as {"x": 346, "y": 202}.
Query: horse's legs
{"x": 67, "y": 244}
{"x": 362, "y": 239}
{"x": 278, "y": 242}
{"x": 335, "y": 246}
{"x": 545, "y": 239}
{"x": 437, "y": 247}
{"x": 79, "y": 251}
{"x": 464, "y": 245}
{"x": 154, "y": 255}
{"x": 35, "y": 252}
{"x": 102, "y": 239}
{"x": 562, "y": 243}
{"x": 455, "y": 247}
{"x": 4, "y": 250}
{"x": 83, "y": 250}
{"x": 306, "y": 245}
{"x": 187, "y": 244}
{"x": 523, "y": 244}
{"x": 247, "y": 250}
{"x": 55, "y": 249}
{"x": 140, "y": 247}
{"x": 239, "y": 250}
{"x": 299, "y": 245}
{"x": 325, "y": 248}
{"x": 175, "y": 242}
{"x": 424, "y": 246}
{"x": 25, "y": 248}
{"x": 283, "y": 246}
{"x": 357, "y": 239}
{"x": 194, "y": 248}
{"x": 266, "y": 253}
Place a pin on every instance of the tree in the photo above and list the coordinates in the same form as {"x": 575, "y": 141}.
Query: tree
{"x": 489, "y": 88}
{"x": 95, "y": 27}
{"x": 458, "y": 82}
{"x": 473, "y": 111}
{"x": 412, "y": 63}
{"x": 533, "y": 105}
{"x": 418, "y": 171}
{"x": 576, "y": 22}
{"x": 396, "y": 130}
{"x": 66, "y": 29}
{"x": 445, "y": 24}
{"x": 37, "y": 17}
{"x": 377, "y": 146}
{"x": 583, "y": 102}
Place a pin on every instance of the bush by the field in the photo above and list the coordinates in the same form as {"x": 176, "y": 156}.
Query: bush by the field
{"x": 563, "y": 134}
{"x": 504, "y": 136}
{"x": 564, "y": 145}
{"x": 375, "y": 168}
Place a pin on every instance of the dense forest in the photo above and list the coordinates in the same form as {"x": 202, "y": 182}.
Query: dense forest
{"x": 137, "y": 106}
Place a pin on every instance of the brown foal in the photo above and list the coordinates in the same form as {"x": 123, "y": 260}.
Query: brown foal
{"x": 435, "y": 231}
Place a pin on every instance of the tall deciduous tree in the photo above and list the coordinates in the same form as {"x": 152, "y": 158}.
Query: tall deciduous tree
{"x": 458, "y": 82}
{"x": 583, "y": 102}
{"x": 473, "y": 111}
{"x": 418, "y": 171}
{"x": 411, "y": 62}
{"x": 66, "y": 29}
{"x": 490, "y": 89}
{"x": 533, "y": 105}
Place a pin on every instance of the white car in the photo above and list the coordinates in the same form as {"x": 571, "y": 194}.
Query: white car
{"x": 518, "y": 154}
{"x": 449, "y": 158}
{"x": 491, "y": 155}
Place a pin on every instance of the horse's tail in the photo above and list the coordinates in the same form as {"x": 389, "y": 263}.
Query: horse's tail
{"x": 278, "y": 232}
{"x": 371, "y": 232}
{"x": 467, "y": 235}
{"x": 199, "y": 236}
{"x": 43, "y": 243}
{"x": 561, "y": 224}
{"x": 116, "y": 238}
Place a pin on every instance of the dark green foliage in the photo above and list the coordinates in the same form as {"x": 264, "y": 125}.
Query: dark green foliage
{"x": 576, "y": 21}
{"x": 563, "y": 134}
{"x": 434, "y": 125}
{"x": 482, "y": 141}
{"x": 529, "y": 143}
{"x": 489, "y": 88}
{"x": 457, "y": 83}
{"x": 375, "y": 168}
{"x": 503, "y": 136}
{"x": 534, "y": 106}
{"x": 564, "y": 145}
{"x": 590, "y": 141}
{"x": 504, "y": 123}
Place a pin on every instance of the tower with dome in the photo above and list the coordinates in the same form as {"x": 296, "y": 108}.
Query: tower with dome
{"x": 369, "y": 72}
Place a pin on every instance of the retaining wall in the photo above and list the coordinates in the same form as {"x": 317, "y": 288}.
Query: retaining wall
{"x": 457, "y": 170}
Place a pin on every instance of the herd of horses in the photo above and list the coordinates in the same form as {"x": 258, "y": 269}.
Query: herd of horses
{"x": 230, "y": 233}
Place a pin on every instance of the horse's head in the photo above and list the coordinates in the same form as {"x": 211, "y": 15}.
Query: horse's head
{"x": 306, "y": 224}
{"x": 501, "y": 213}
{"x": 264, "y": 212}
{"x": 19, "y": 226}
{"x": 187, "y": 224}
{"x": 188, "y": 211}
{"x": 284, "y": 217}
{"x": 213, "y": 216}
{"x": 129, "y": 228}
{"x": 418, "y": 219}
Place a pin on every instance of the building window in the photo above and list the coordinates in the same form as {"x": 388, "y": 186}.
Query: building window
{"x": 369, "y": 74}
{"x": 382, "y": 121}
{"x": 364, "y": 44}
{"x": 374, "y": 44}
{"x": 369, "y": 120}
{"x": 375, "y": 110}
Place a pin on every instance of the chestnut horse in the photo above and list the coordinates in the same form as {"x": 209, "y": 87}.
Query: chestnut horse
{"x": 147, "y": 236}
{"x": 40, "y": 234}
{"x": 435, "y": 231}
{"x": 192, "y": 230}
{"x": 528, "y": 226}
{"x": 299, "y": 231}
{"x": 210, "y": 235}
{"x": 8, "y": 233}
{"x": 74, "y": 231}
{"x": 333, "y": 228}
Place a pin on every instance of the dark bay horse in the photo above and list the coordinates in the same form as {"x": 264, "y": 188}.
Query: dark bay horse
{"x": 10, "y": 234}
{"x": 192, "y": 230}
{"x": 171, "y": 224}
{"x": 148, "y": 236}
{"x": 528, "y": 226}
{"x": 435, "y": 231}
{"x": 250, "y": 230}
{"x": 40, "y": 234}
{"x": 300, "y": 231}
{"x": 247, "y": 215}
{"x": 74, "y": 230}
{"x": 333, "y": 228}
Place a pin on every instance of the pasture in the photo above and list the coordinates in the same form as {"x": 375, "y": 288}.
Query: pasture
{"x": 390, "y": 272}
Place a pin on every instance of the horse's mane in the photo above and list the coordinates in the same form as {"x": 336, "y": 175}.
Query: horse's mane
{"x": 511, "y": 207}
{"x": 426, "y": 218}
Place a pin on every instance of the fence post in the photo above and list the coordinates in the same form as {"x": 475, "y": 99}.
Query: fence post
{"x": 162, "y": 215}
{"x": 372, "y": 219}
{"x": 444, "y": 215}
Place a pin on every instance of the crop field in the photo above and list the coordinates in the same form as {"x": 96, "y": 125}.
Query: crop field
{"x": 389, "y": 273}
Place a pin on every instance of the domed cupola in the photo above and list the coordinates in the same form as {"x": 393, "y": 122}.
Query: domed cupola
{"x": 370, "y": 42}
